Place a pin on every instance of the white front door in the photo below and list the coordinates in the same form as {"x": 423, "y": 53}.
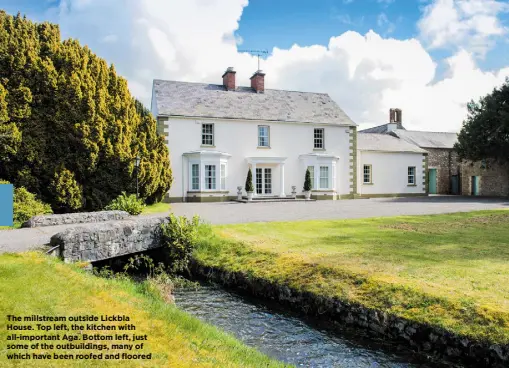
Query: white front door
{"x": 263, "y": 181}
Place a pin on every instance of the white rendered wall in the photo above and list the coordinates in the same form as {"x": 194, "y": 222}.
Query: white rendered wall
{"x": 240, "y": 140}
{"x": 390, "y": 172}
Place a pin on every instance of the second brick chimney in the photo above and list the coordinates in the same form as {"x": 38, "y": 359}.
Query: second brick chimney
{"x": 395, "y": 116}
{"x": 229, "y": 79}
{"x": 258, "y": 81}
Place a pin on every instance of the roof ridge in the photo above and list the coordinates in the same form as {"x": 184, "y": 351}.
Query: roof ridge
{"x": 425, "y": 131}
{"x": 220, "y": 85}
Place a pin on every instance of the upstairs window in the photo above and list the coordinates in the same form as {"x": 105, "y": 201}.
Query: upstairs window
{"x": 319, "y": 139}
{"x": 263, "y": 136}
{"x": 367, "y": 174}
{"x": 411, "y": 175}
{"x": 207, "y": 134}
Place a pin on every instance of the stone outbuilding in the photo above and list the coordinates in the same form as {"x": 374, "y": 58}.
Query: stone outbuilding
{"x": 446, "y": 174}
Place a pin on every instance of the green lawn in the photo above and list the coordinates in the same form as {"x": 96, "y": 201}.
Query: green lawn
{"x": 446, "y": 270}
{"x": 157, "y": 208}
{"x": 16, "y": 225}
{"x": 31, "y": 283}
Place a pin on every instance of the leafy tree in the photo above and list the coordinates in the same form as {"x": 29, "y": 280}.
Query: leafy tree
{"x": 485, "y": 132}
{"x": 249, "y": 182}
{"x": 69, "y": 127}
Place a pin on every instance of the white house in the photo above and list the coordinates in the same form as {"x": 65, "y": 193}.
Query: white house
{"x": 389, "y": 166}
{"x": 216, "y": 132}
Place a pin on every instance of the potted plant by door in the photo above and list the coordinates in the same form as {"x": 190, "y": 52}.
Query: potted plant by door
{"x": 249, "y": 185}
{"x": 307, "y": 185}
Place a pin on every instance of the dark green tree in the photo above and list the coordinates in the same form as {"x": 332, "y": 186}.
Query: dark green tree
{"x": 249, "y": 182}
{"x": 307, "y": 181}
{"x": 485, "y": 132}
{"x": 69, "y": 127}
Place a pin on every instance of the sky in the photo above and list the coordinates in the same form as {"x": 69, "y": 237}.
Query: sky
{"x": 426, "y": 57}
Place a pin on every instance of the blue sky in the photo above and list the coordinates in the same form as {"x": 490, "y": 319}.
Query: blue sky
{"x": 418, "y": 55}
{"x": 267, "y": 23}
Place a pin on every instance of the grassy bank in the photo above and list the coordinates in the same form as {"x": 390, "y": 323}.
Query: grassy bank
{"x": 160, "y": 207}
{"x": 449, "y": 271}
{"x": 31, "y": 283}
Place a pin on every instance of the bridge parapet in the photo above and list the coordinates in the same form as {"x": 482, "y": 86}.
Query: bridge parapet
{"x": 97, "y": 242}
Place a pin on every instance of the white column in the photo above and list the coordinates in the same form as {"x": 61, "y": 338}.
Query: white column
{"x": 253, "y": 171}
{"x": 282, "y": 180}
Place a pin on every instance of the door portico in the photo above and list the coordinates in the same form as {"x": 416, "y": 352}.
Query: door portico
{"x": 264, "y": 170}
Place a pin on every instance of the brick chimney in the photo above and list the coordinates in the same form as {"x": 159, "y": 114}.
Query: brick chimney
{"x": 395, "y": 116}
{"x": 395, "y": 120}
{"x": 229, "y": 79}
{"x": 258, "y": 81}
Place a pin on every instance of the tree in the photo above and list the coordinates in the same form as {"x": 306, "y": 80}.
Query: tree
{"x": 72, "y": 127}
{"x": 307, "y": 181}
{"x": 485, "y": 132}
{"x": 249, "y": 182}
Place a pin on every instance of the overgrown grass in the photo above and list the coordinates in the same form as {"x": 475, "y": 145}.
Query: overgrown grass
{"x": 160, "y": 207}
{"x": 31, "y": 283}
{"x": 16, "y": 225}
{"x": 449, "y": 271}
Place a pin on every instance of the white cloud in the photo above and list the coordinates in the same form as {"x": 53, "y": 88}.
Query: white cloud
{"x": 471, "y": 24}
{"x": 383, "y": 21}
{"x": 195, "y": 40}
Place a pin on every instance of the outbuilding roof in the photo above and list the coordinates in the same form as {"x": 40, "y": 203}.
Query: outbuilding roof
{"x": 384, "y": 128}
{"x": 385, "y": 143}
{"x": 428, "y": 139}
{"x": 203, "y": 100}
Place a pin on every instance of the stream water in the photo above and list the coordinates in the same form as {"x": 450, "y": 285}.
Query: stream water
{"x": 287, "y": 338}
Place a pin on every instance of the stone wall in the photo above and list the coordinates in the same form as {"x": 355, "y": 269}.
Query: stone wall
{"x": 493, "y": 178}
{"x": 430, "y": 341}
{"x": 97, "y": 242}
{"x": 75, "y": 218}
{"x": 444, "y": 160}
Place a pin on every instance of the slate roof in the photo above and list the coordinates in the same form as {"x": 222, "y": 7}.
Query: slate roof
{"x": 428, "y": 139}
{"x": 203, "y": 100}
{"x": 385, "y": 143}
{"x": 380, "y": 129}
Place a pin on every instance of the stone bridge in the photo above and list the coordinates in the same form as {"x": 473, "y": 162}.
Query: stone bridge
{"x": 97, "y": 242}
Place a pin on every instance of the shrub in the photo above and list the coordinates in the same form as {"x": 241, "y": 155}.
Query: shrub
{"x": 128, "y": 203}
{"x": 249, "y": 182}
{"x": 307, "y": 181}
{"x": 179, "y": 237}
{"x": 26, "y": 205}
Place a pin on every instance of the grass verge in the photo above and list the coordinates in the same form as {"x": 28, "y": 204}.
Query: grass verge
{"x": 449, "y": 271}
{"x": 160, "y": 207}
{"x": 31, "y": 283}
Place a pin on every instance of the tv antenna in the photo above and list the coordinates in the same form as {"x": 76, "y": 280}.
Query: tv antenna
{"x": 258, "y": 53}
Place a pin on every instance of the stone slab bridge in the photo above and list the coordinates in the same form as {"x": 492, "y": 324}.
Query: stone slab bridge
{"x": 97, "y": 242}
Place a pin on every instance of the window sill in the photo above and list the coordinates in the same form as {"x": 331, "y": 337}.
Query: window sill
{"x": 207, "y": 146}
{"x": 411, "y": 185}
{"x": 318, "y": 149}
{"x": 321, "y": 190}
{"x": 263, "y": 147}
{"x": 368, "y": 183}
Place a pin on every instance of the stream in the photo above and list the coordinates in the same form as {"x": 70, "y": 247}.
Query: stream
{"x": 290, "y": 339}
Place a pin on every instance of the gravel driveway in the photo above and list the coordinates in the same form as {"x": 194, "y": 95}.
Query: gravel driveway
{"x": 233, "y": 212}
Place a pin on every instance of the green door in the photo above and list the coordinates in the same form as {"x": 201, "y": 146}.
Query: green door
{"x": 432, "y": 180}
{"x": 455, "y": 188}
{"x": 475, "y": 185}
